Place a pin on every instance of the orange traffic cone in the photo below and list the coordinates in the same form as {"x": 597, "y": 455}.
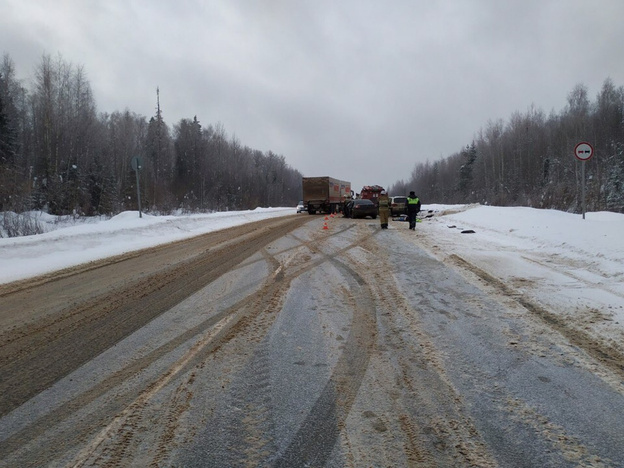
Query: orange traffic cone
{"x": 325, "y": 226}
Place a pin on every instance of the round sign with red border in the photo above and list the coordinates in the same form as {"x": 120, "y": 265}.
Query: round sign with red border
{"x": 583, "y": 151}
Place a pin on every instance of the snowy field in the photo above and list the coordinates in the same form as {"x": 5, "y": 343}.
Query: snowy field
{"x": 568, "y": 264}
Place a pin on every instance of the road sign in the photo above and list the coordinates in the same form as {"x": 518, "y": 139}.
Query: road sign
{"x": 583, "y": 151}
{"x": 136, "y": 163}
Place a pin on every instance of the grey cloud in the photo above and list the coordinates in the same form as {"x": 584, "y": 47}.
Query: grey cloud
{"x": 357, "y": 90}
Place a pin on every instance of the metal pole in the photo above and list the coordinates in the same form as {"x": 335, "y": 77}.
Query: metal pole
{"x": 138, "y": 190}
{"x": 583, "y": 187}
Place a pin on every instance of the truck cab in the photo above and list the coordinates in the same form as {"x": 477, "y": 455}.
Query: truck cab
{"x": 371, "y": 192}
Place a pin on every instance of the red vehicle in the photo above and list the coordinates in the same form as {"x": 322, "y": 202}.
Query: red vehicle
{"x": 371, "y": 192}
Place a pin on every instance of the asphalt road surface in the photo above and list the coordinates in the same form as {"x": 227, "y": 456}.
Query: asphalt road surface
{"x": 284, "y": 344}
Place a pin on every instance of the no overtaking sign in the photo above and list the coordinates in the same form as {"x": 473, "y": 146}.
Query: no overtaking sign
{"x": 583, "y": 151}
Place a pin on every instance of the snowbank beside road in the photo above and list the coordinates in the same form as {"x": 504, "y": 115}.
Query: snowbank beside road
{"x": 73, "y": 242}
{"x": 572, "y": 268}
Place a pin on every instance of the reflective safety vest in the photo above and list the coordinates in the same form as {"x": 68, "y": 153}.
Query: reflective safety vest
{"x": 413, "y": 201}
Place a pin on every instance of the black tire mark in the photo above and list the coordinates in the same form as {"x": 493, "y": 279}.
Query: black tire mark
{"x": 239, "y": 433}
{"x": 249, "y": 404}
{"x": 315, "y": 440}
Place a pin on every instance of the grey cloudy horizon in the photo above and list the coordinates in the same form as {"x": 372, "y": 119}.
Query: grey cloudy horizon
{"x": 358, "y": 90}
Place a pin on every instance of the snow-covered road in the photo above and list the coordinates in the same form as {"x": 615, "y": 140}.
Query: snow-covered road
{"x": 346, "y": 346}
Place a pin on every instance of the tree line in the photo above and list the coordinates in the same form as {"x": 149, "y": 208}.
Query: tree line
{"x": 529, "y": 160}
{"x": 58, "y": 154}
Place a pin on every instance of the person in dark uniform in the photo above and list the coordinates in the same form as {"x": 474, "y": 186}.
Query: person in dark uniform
{"x": 413, "y": 207}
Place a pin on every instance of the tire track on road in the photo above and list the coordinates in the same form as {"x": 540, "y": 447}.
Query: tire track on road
{"x": 314, "y": 442}
{"x": 598, "y": 349}
{"x": 253, "y": 431}
{"x": 16, "y": 385}
{"x": 437, "y": 429}
{"x": 316, "y": 437}
{"x": 248, "y": 321}
{"x": 43, "y": 356}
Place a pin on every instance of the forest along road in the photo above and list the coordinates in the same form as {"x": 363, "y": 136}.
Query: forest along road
{"x": 282, "y": 343}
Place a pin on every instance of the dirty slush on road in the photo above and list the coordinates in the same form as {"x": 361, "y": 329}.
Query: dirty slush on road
{"x": 277, "y": 343}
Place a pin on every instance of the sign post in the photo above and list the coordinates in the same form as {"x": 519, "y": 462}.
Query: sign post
{"x": 136, "y": 165}
{"x": 583, "y": 151}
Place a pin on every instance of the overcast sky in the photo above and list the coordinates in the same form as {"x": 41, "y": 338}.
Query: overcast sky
{"x": 354, "y": 89}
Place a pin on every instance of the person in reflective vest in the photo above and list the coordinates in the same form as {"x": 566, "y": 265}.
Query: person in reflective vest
{"x": 384, "y": 209}
{"x": 413, "y": 207}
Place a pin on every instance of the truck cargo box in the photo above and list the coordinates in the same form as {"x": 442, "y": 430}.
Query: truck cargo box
{"x": 324, "y": 194}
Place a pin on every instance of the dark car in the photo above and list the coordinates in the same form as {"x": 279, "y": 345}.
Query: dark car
{"x": 362, "y": 208}
{"x": 398, "y": 206}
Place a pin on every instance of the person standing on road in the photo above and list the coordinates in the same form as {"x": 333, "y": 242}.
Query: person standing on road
{"x": 413, "y": 207}
{"x": 384, "y": 209}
